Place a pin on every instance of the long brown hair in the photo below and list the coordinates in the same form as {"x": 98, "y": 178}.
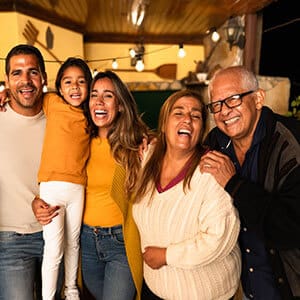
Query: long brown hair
{"x": 127, "y": 131}
{"x": 150, "y": 174}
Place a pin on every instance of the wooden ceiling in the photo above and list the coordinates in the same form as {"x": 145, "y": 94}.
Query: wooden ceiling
{"x": 165, "y": 21}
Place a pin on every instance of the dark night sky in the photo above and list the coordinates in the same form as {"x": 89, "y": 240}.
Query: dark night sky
{"x": 280, "y": 52}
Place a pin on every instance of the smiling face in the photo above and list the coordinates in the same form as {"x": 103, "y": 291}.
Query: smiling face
{"x": 238, "y": 123}
{"x": 25, "y": 82}
{"x": 184, "y": 124}
{"x": 74, "y": 86}
{"x": 103, "y": 105}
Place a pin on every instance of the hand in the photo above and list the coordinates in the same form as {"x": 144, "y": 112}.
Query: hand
{"x": 219, "y": 165}
{"x": 3, "y": 99}
{"x": 155, "y": 257}
{"x": 43, "y": 212}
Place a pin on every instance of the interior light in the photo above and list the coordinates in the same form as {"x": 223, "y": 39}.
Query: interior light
{"x": 235, "y": 33}
{"x": 139, "y": 65}
{"x": 95, "y": 72}
{"x": 45, "y": 89}
{"x": 215, "y": 35}
{"x": 114, "y": 64}
{"x": 138, "y": 9}
{"x": 181, "y": 51}
{"x": 132, "y": 52}
{"x": 2, "y": 86}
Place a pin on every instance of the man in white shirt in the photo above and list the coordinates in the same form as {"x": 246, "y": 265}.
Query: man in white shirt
{"x": 22, "y": 132}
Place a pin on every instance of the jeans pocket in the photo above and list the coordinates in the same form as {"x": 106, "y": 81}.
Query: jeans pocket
{"x": 118, "y": 237}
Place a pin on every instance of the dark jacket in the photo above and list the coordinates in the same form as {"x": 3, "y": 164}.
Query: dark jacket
{"x": 271, "y": 207}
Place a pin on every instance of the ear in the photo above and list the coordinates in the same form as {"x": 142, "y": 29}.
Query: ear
{"x": 121, "y": 109}
{"x": 260, "y": 99}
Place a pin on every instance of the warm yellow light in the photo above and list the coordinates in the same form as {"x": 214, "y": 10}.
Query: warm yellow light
{"x": 181, "y": 51}
{"x": 114, "y": 64}
{"x": 215, "y": 36}
{"x": 139, "y": 65}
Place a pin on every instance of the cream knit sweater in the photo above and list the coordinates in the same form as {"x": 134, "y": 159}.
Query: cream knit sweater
{"x": 200, "y": 231}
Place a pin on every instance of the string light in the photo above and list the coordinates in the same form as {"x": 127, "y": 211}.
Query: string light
{"x": 132, "y": 52}
{"x": 95, "y": 72}
{"x": 139, "y": 64}
{"x": 215, "y": 36}
{"x": 114, "y": 64}
{"x": 2, "y": 86}
{"x": 181, "y": 51}
{"x": 45, "y": 89}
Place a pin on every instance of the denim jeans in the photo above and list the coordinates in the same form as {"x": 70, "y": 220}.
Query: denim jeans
{"x": 105, "y": 269}
{"x": 20, "y": 266}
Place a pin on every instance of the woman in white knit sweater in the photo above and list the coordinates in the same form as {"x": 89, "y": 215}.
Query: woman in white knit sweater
{"x": 187, "y": 223}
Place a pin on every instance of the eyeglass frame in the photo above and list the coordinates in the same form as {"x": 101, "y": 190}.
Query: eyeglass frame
{"x": 221, "y": 102}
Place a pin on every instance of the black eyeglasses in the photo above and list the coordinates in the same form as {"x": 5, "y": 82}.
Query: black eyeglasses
{"x": 231, "y": 102}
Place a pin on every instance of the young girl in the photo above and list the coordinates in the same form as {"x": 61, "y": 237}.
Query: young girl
{"x": 62, "y": 174}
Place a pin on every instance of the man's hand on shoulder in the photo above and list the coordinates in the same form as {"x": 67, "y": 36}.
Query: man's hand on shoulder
{"x": 3, "y": 99}
{"x": 219, "y": 165}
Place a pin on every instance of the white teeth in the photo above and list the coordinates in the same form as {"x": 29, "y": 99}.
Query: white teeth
{"x": 227, "y": 122}
{"x": 26, "y": 91}
{"x": 184, "y": 131}
{"x": 100, "y": 112}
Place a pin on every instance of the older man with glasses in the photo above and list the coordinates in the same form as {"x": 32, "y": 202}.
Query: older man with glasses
{"x": 255, "y": 156}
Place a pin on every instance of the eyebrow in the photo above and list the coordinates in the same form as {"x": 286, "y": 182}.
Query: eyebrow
{"x": 104, "y": 91}
{"x": 70, "y": 77}
{"x": 182, "y": 107}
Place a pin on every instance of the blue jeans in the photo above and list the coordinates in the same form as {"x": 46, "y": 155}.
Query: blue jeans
{"x": 105, "y": 269}
{"x": 20, "y": 266}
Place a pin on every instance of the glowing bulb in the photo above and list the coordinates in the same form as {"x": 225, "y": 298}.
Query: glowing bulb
{"x": 139, "y": 65}
{"x": 114, "y": 64}
{"x": 181, "y": 51}
{"x": 95, "y": 72}
{"x": 132, "y": 52}
{"x": 215, "y": 36}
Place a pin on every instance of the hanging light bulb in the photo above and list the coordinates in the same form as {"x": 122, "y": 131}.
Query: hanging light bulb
{"x": 95, "y": 72}
{"x": 2, "y": 86}
{"x": 181, "y": 51}
{"x": 215, "y": 35}
{"x": 45, "y": 89}
{"x": 139, "y": 64}
{"x": 114, "y": 64}
{"x": 132, "y": 52}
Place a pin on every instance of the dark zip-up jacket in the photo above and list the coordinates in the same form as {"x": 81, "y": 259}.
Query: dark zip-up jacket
{"x": 271, "y": 207}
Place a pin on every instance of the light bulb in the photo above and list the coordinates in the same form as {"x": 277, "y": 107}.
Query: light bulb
{"x": 139, "y": 65}
{"x": 132, "y": 52}
{"x": 215, "y": 36}
{"x": 181, "y": 51}
{"x": 114, "y": 64}
{"x": 95, "y": 72}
